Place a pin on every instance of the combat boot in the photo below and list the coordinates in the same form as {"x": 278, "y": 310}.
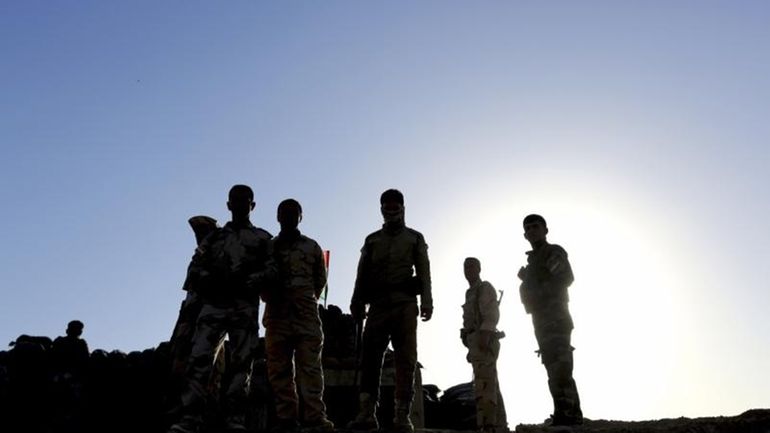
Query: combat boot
{"x": 321, "y": 426}
{"x": 366, "y": 418}
{"x": 561, "y": 419}
{"x": 285, "y": 426}
{"x": 493, "y": 429}
{"x": 401, "y": 420}
{"x": 236, "y": 424}
{"x": 566, "y": 413}
{"x": 561, "y": 424}
{"x": 187, "y": 424}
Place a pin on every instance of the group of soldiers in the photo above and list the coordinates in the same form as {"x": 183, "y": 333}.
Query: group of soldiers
{"x": 237, "y": 265}
{"x": 543, "y": 291}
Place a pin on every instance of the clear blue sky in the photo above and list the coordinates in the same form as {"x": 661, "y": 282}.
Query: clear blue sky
{"x": 639, "y": 129}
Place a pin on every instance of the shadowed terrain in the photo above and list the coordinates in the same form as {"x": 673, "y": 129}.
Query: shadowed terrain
{"x": 49, "y": 390}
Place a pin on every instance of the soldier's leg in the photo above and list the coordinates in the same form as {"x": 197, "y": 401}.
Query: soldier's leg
{"x": 209, "y": 330}
{"x": 485, "y": 384}
{"x": 485, "y": 408}
{"x": 243, "y": 332}
{"x": 501, "y": 416}
{"x": 556, "y": 355}
{"x": 559, "y": 364}
{"x": 310, "y": 379}
{"x": 280, "y": 371}
{"x": 182, "y": 336}
{"x": 375, "y": 340}
{"x": 404, "y": 338}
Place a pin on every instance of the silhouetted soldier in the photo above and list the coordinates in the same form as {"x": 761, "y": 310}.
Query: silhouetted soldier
{"x": 293, "y": 334}
{"x": 181, "y": 338}
{"x": 543, "y": 292}
{"x": 70, "y": 352}
{"x": 70, "y": 356}
{"x": 480, "y": 335}
{"x": 392, "y": 271}
{"x": 228, "y": 270}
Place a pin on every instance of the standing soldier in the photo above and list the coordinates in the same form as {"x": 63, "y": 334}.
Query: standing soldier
{"x": 481, "y": 337}
{"x": 181, "y": 337}
{"x": 543, "y": 292}
{"x": 229, "y": 268}
{"x": 293, "y": 335}
{"x": 70, "y": 353}
{"x": 392, "y": 271}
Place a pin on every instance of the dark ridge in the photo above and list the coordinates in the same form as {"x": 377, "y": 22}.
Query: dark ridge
{"x": 59, "y": 387}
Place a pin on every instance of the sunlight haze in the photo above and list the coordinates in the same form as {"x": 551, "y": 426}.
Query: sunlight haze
{"x": 638, "y": 130}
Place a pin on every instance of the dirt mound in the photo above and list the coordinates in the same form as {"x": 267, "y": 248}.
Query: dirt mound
{"x": 752, "y": 421}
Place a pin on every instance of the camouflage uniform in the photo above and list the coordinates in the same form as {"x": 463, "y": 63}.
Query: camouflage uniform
{"x": 226, "y": 272}
{"x": 293, "y": 329}
{"x": 181, "y": 337}
{"x": 184, "y": 330}
{"x": 385, "y": 281}
{"x": 480, "y": 315}
{"x": 544, "y": 294}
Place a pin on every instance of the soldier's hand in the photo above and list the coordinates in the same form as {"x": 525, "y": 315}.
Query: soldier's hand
{"x": 426, "y": 312}
{"x": 358, "y": 311}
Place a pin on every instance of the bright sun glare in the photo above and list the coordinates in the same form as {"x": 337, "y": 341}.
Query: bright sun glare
{"x": 624, "y": 304}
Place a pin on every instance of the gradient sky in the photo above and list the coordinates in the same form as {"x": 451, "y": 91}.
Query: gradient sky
{"x": 638, "y": 129}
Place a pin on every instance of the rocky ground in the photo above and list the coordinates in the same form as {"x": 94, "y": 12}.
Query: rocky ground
{"x": 134, "y": 392}
{"x": 752, "y": 421}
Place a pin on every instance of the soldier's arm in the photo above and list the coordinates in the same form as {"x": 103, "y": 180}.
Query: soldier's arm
{"x": 199, "y": 275}
{"x": 524, "y": 296}
{"x": 269, "y": 271}
{"x": 559, "y": 270}
{"x": 319, "y": 271}
{"x": 361, "y": 279}
{"x": 488, "y": 308}
{"x": 422, "y": 269}
{"x": 187, "y": 286}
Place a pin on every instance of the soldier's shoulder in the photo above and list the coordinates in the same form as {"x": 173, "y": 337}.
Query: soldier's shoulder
{"x": 262, "y": 233}
{"x": 556, "y": 259}
{"x": 556, "y": 249}
{"x": 486, "y": 285}
{"x": 211, "y": 240}
{"x": 215, "y": 234}
{"x": 486, "y": 289}
{"x": 373, "y": 236}
{"x": 310, "y": 242}
{"x": 415, "y": 233}
{"x": 307, "y": 239}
